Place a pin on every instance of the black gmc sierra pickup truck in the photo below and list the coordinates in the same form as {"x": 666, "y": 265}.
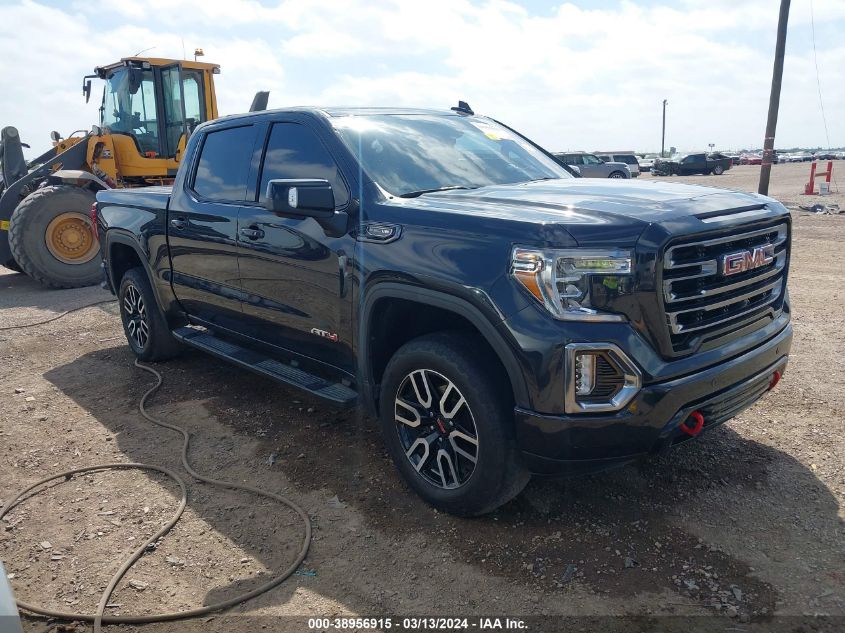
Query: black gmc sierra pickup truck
{"x": 500, "y": 316}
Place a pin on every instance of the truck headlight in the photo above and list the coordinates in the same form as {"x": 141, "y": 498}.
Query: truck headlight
{"x": 574, "y": 284}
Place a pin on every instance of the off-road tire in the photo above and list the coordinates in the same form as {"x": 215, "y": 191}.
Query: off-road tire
{"x": 498, "y": 475}
{"x": 27, "y": 228}
{"x": 160, "y": 344}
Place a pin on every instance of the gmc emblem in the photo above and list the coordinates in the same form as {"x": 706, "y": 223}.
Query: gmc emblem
{"x": 743, "y": 261}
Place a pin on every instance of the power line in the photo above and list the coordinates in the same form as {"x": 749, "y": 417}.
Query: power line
{"x": 819, "y": 84}
{"x": 818, "y": 78}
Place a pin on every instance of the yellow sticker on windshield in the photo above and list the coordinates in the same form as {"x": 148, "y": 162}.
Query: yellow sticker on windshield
{"x": 490, "y": 131}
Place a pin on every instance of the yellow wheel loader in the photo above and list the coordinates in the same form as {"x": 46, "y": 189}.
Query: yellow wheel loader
{"x": 149, "y": 108}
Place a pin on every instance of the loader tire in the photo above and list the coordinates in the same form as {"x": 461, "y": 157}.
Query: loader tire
{"x": 52, "y": 238}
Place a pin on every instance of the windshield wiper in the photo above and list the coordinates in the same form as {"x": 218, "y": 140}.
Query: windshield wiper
{"x": 543, "y": 178}
{"x": 415, "y": 194}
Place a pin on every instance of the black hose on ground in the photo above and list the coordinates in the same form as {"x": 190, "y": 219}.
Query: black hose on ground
{"x": 57, "y": 317}
{"x": 98, "y": 618}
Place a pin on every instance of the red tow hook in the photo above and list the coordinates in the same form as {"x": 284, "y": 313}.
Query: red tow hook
{"x": 693, "y": 424}
{"x": 775, "y": 380}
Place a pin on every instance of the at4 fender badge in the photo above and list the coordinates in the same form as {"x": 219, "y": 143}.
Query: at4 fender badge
{"x": 329, "y": 335}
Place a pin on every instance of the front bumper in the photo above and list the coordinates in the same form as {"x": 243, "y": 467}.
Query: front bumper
{"x": 553, "y": 444}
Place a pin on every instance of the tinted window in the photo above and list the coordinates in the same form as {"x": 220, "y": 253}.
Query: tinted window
{"x": 408, "y": 154}
{"x": 294, "y": 151}
{"x": 628, "y": 159}
{"x": 606, "y": 158}
{"x": 224, "y": 164}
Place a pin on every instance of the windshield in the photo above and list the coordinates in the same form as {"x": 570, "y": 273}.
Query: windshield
{"x": 424, "y": 152}
{"x": 135, "y": 114}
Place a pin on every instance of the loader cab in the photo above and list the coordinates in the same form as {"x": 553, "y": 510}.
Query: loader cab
{"x": 150, "y": 107}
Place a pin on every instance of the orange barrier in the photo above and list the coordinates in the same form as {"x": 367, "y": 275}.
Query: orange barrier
{"x": 810, "y": 187}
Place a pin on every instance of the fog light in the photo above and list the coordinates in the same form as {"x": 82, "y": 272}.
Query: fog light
{"x": 585, "y": 373}
{"x": 599, "y": 377}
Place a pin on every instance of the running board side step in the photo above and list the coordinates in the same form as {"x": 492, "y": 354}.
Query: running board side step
{"x": 336, "y": 393}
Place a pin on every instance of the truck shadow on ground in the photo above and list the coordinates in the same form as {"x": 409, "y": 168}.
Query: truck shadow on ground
{"x": 20, "y": 291}
{"x": 623, "y": 533}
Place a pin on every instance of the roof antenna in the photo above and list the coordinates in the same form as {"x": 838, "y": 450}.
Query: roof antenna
{"x": 463, "y": 108}
{"x": 143, "y": 51}
{"x": 259, "y": 101}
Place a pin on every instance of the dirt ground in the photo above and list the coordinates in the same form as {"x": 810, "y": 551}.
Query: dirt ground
{"x": 745, "y": 524}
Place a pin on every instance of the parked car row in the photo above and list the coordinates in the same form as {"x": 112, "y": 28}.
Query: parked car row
{"x": 687, "y": 164}
{"x": 627, "y": 164}
{"x": 791, "y": 157}
{"x": 805, "y": 157}
{"x": 591, "y": 166}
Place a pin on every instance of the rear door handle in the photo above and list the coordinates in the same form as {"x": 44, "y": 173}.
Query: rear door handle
{"x": 179, "y": 223}
{"x": 253, "y": 233}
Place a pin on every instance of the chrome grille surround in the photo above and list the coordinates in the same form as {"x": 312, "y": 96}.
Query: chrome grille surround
{"x": 700, "y": 301}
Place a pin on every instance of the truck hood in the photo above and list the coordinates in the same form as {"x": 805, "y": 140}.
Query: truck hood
{"x": 582, "y": 205}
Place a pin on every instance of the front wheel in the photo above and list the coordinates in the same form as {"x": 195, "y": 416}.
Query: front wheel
{"x": 145, "y": 328}
{"x": 616, "y": 174}
{"x": 448, "y": 425}
{"x": 718, "y": 170}
{"x": 53, "y": 239}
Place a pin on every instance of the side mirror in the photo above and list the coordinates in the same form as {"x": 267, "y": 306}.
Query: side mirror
{"x": 576, "y": 169}
{"x": 300, "y": 197}
{"x": 86, "y": 90}
{"x": 55, "y": 136}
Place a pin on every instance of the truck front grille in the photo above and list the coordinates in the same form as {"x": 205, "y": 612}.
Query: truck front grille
{"x": 703, "y": 302}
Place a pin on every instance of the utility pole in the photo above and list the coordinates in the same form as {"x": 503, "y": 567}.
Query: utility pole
{"x": 774, "y": 101}
{"x": 663, "y": 138}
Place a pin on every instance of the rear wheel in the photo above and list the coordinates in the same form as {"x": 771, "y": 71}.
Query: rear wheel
{"x": 718, "y": 170}
{"x": 616, "y": 174}
{"x": 145, "y": 328}
{"x": 448, "y": 425}
{"x": 53, "y": 239}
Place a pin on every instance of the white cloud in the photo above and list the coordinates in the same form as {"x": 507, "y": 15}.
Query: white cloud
{"x": 571, "y": 77}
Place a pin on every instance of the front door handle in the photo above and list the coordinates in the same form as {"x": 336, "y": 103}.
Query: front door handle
{"x": 253, "y": 233}
{"x": 179, "y": 223}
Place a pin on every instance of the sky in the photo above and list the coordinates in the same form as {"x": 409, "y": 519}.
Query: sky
{"x": 571, "y": 75}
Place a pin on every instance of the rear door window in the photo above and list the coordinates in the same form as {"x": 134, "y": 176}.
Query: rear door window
{"x": 223, "y": 166}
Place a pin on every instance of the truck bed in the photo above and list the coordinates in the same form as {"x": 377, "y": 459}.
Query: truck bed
{"x": 150, "y": 198}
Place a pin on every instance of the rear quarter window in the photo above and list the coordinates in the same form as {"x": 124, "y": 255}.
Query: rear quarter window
{"x": 224, "y": 163}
